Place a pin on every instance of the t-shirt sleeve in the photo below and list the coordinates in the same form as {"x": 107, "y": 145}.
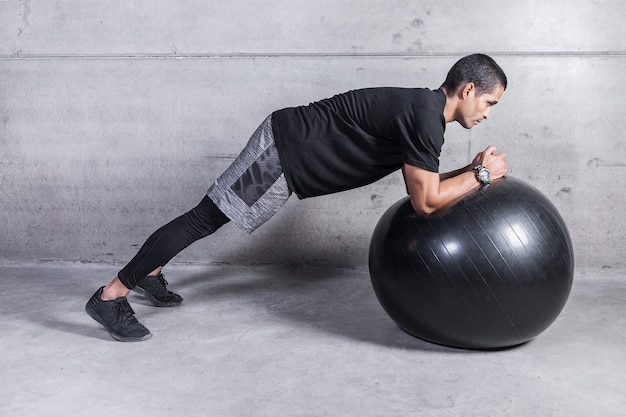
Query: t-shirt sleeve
{"x": 421, "y": 136}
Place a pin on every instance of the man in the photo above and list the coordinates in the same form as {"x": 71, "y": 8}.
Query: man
{"x": 336, "y": 144}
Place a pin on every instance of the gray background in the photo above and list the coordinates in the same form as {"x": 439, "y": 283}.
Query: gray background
{"x": 115, "y": 116}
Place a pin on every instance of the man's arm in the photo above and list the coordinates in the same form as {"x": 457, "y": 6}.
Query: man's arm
{"x": 430, "y": 191}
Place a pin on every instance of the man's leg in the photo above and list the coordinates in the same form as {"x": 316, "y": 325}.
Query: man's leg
{"x": 172, "y": 238}
{"x": 109, "y": 306}
{"x": 250, "y": 191}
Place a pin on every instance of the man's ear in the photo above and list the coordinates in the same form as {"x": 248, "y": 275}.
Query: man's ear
{"x": 466, "y": 90}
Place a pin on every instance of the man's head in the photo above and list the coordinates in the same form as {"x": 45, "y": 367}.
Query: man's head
{"x": 473, "y": 85}
{"x": 479, "y": 69}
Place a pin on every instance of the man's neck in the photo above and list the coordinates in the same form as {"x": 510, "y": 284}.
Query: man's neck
{"x": 449, "y": 110}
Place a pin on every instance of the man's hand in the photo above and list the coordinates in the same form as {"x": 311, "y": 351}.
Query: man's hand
{"x": 494, "y": 162}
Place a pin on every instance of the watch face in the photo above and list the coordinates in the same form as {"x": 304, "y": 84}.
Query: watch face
{"x": 483, "y": 175}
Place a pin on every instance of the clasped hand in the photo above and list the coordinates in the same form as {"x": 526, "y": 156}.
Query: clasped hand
{"x": 494, "y": 162}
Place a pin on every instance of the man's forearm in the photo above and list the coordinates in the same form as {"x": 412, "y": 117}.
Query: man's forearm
{"x": 443, "y": 176}
{"x": 451, "y": 174}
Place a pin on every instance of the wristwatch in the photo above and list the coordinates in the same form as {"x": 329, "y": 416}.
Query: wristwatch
{"x": 482, "y": 175}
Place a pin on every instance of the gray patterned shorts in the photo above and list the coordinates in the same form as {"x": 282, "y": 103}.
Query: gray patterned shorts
{"x": 253, "y": 188}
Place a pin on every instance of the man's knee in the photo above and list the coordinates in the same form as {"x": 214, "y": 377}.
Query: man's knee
{"x": 207, "y": 216}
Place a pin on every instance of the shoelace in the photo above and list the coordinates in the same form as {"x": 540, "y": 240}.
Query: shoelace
{"x": 162, "y": 289}
{"x": 125, "y": 313}
{"x": 162, "y": 280}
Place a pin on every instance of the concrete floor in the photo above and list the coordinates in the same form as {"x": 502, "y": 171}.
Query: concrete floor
{"x": 273, "y": 341}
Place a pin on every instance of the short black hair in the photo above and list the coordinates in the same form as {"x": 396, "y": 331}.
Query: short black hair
{"x": 479, "y": 69}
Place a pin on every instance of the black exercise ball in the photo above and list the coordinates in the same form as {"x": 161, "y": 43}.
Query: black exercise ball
{"x": 492, "y": 271}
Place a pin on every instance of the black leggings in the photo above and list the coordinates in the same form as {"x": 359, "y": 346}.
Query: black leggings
{"x": 172, "y": 238}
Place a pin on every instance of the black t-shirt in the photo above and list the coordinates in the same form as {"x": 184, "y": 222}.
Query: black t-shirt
{"x": 358, "y": 137}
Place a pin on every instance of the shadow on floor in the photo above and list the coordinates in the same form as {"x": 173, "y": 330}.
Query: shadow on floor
{"x": 338, "y": 301}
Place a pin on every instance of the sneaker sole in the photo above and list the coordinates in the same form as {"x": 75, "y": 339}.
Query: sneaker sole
{"x": 114, "y": 335}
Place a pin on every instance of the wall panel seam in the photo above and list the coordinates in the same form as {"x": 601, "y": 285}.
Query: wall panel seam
{"x": 375, "y": 55}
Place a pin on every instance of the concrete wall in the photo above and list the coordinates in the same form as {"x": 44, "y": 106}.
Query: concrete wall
{"x": 115, "y": 116}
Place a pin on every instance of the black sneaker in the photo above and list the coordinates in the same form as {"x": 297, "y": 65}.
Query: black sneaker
{"x": 117, "y": 317}
{"x": 154, "y": 287}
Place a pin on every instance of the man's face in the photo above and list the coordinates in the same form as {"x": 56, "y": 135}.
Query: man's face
{"x": 474, "y": 109}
